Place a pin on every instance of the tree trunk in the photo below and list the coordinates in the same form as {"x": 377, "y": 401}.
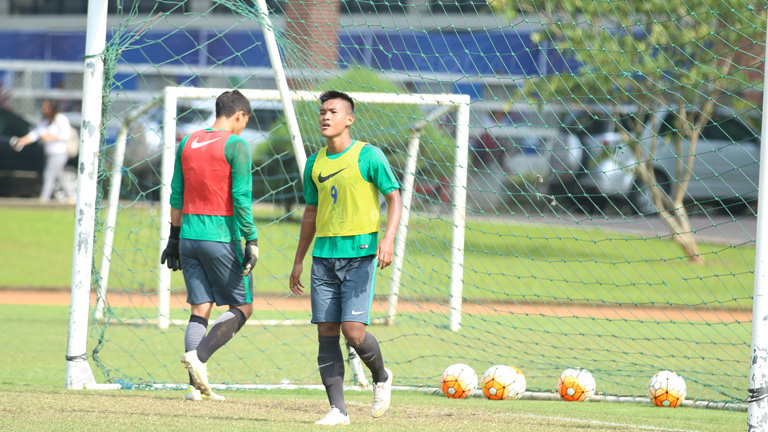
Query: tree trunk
{"x": 673, "y": 214}
{"x": 678, "y": 222}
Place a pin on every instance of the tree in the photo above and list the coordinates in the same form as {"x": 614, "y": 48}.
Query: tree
{"x": 386, "y": 125}
{"x": 639, "y": 58}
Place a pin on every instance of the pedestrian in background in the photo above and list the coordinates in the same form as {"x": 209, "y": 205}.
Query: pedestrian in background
{"x": 53, "y": 131}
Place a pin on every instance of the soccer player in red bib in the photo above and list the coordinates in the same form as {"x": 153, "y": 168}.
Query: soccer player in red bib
{"x": 211, "y": 208}
{"x": 342, "y": 183}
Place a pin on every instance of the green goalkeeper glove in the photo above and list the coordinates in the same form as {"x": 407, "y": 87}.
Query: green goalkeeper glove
{"x": 250, "y": 256}
{"x": 171, "y": 252}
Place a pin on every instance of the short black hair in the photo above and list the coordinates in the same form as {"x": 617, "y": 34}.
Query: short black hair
{"x": 230, "y": 102}
{"x": 335, "y": 94}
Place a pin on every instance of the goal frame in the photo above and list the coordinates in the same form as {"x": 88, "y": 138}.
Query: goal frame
{"x": 445, "y": 103}
{"x": 78, "y": 374}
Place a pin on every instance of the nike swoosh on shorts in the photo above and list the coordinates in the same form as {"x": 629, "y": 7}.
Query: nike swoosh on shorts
{"x": 197, "y": 144}
{"x": 357, "y": 313}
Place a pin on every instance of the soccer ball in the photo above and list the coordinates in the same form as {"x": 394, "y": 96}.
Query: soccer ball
{"x": 667, "y": 389}
{"x": 502, "y": 382}
{"x": 458, "y": 381}
{"x": 576, "y": 384}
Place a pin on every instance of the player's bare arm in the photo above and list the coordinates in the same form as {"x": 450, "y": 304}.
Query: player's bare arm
{"x": 386, "y": 250}
{"x": 176, "y": 216}
{"x": 306, "y": 235}
{"x": 49, "y": 137}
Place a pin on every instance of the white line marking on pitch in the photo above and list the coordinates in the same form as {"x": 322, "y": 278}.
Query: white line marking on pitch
{"x": 604, "y": 423}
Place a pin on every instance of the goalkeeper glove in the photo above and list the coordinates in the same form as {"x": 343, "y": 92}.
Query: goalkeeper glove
{"x": 250, "y": 256}
{"x": 171, "y": 252}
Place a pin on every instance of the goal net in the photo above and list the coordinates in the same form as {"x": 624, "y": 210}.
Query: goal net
{"x": 549, "y": 223}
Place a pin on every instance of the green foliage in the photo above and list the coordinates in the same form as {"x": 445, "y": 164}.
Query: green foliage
{"x": 637, "y": 59}
{"x": 387, "y": 126}
{"x": 648, "y": 54}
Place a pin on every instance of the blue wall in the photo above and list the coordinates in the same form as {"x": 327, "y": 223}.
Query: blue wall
{"x": 481, "y": 53}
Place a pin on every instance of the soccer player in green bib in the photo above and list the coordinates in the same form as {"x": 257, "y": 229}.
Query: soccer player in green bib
{"x": 342, "y": 183}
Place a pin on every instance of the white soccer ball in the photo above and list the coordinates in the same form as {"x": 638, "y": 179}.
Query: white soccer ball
{"x": 667, "y": 389}
{"x": 576, "y": 384}
{"x": 502, "y": 382}
{"x": 458, "y": 381}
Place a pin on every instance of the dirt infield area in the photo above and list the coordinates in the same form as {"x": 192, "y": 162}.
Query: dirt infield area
{"x": 290, "y": 302}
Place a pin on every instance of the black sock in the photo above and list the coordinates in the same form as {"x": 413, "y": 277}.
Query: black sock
{"x": 330, "y": 362}
{"x": 194, "y": 334}
{"x": 370, "y": 354}
{"x": 222, "y": 331}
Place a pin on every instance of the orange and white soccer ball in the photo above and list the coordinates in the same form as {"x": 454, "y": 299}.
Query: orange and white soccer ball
{"x": 458, "y": 381}
{"x": 667, "y": 389}
{"x": 502, "y": 382}
{"x": 576, "y": 384}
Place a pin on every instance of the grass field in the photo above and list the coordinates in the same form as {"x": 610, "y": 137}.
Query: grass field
{"x": 521, "y": 264}
{"x": 517, "y": 261}
{"x": 32, "y": 398}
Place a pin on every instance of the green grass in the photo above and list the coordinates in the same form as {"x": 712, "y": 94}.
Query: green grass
{"x": 505, "y": 264}
{"x": 38, "y": 408}
{"x": 35, "y": 239}
{"x": 509, "y": 261}
{"x": 32, "y": 398}
{"x": 622, "y": 355}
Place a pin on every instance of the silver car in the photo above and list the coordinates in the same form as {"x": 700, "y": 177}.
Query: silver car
{"x": 593, "y": 167}
{"x": 725, "y": 173}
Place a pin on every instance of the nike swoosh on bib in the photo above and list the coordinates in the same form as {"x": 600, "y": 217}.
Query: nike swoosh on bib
{"x": 197, "y": 144}
{"x": 322, "y": 179}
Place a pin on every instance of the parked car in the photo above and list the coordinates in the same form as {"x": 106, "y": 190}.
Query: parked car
{"x": 143, "y": 149}
{"x": 727, "y": 161}
{"x": 512, "y": 139}
{"x": 521, "y": 149}
{"x": 21, "y": 173}
{"x": 593, "y": 166}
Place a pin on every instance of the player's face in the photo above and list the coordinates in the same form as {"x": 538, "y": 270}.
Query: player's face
{"x": 335, "y": 117}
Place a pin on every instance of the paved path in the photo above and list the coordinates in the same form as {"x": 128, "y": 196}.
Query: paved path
{"x": 709, "y": 228}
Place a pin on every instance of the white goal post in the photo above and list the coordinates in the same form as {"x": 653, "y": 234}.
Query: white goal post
{"x": 78, "y": 374}
{"x": 445, "y": 103}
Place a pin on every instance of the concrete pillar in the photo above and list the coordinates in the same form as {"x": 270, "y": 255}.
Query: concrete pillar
{"x": 5, "y": 7}
{"x": 197, "y": 6}
{"x": 313, "y": 27}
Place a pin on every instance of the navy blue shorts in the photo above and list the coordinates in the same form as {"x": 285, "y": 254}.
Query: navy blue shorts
{"x": 213, "y": 273}
{"x": 342, "y": 289}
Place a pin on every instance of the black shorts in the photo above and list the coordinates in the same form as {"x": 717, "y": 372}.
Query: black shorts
{"x": 213, "y": 273}
{"x": 342, "y": 289}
